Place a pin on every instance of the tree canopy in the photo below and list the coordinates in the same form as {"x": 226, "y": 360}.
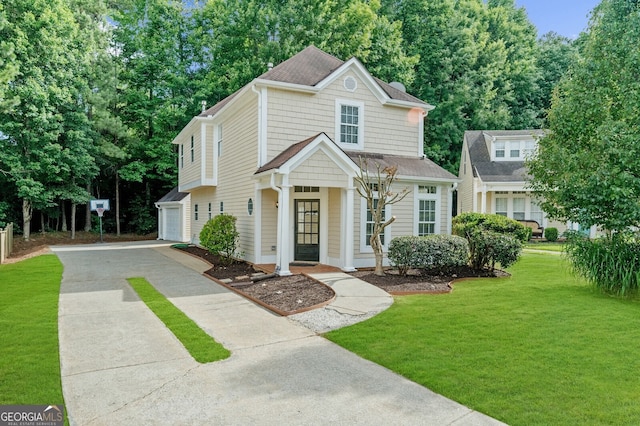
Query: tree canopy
{"x": 587, "y": 167}
{"x": 93, "y": 92}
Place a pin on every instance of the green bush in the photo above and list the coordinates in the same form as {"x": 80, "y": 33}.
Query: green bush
{"x": 492, "y": 239}
{"x": 610, "y": 263}
{"x": 551, "y": 234}
{"x": 219, "y": 236}
{"x": 465, "y": 222}
{"x": 429, "y": 252}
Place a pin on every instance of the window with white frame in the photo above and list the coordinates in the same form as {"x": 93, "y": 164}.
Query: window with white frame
{"x": 518, "y": 208}
{"x": 427, "y": 209}
{"x": 501, "y": 206}
{"x": 349, "y": 123}
{"x": 536, "y": 212}
{"x": 192, "y": 149}
{"x": 512, "y": 150}
{"x": 181, "y": 155}
{"x": 219, "y": 140}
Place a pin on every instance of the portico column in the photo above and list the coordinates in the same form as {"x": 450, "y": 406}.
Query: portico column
{"x": 484, "y": 199}
{"x": 284, "y": 227}
{"x": 347, "y": 235}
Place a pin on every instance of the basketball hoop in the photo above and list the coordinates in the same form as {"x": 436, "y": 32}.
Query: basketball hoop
{"x": 100, "y": 211}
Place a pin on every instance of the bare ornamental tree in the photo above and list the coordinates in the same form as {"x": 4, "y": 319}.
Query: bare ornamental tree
{"x": 376, "y": 189}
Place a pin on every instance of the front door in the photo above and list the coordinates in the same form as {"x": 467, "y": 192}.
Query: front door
{"x": 307, "y": 230}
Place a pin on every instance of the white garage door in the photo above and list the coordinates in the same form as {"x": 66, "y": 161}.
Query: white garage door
{"x": 172, "y": 224}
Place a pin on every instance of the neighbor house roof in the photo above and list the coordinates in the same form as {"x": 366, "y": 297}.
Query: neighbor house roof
{"x": 478, "y": 142}
{"x": 310, "y": 67}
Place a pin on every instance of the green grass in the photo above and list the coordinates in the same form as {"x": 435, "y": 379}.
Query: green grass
{"x": 545, "y": 246}
{"x": 202, "y": 347}
{"x": 29, "y": 356}
{"x": 540, "y": 347}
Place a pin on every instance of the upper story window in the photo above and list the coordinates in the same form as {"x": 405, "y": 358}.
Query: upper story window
{"x": 512, "y": 150}
{"x": 350, "y": 124}
{"x": 181, "y": 155}
{"x": 219, "y": 140}
{"x": 192, "y": 149}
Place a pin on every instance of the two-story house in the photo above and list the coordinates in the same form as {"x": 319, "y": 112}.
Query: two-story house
{"x": 493, "y": 175}
{"x": 281, "y": 155}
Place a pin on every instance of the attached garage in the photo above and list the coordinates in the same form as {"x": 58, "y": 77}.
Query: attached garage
{"x": 172, "y": 216}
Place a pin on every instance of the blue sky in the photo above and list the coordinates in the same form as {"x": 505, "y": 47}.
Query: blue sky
{"x": 566, "y": 17}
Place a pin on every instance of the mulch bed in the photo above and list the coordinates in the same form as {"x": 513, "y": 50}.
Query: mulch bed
{"x": 297, "y": 293}
{"x": 283, "y": 295}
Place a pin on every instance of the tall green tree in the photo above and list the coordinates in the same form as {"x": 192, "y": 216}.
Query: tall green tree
{"x": 556, "y": 55}
{"x": 240, "y": 37}
{"x": 154, "y": 61}
{"x": 587, "y": 167}
{"x": 8, "y": 65}
{"x": 45, "y": 37}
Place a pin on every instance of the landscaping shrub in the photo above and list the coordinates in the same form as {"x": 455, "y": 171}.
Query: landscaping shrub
{"x": 429, "y": 252}
{"x": 403, "y": 253}
{"x": 611, "y": 263}
{"x": 490, "y": 222}
{"x": 219, "y": 236}
{"x": 551, "y": 234}
{"x": 492, "y": 239}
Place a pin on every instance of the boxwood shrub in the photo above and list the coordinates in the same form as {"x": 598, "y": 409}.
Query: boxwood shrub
{"x": 551, "y": 234}
{"x": 219, "y": 236}
{"x": 440, "y": 252}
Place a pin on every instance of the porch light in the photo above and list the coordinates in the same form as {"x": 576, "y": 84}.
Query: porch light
{"x": 250, "y": 206}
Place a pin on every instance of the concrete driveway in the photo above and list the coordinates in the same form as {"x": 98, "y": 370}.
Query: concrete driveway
{"x": 121, "y": 365}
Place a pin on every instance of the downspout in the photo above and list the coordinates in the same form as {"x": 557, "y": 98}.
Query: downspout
{"x": 261, "y": 135}
{"x": 279, "y": 224}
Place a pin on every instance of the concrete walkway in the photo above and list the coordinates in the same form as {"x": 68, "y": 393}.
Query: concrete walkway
{"x": 121, "y": 365}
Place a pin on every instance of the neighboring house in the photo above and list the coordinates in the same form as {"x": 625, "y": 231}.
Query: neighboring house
{"x": 281, "y": 155}
{"x": 493, "y": 176}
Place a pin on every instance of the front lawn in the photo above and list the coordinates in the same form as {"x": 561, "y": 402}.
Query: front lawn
{"x": 29, "y": 356}
{"x": 540, "y": 347}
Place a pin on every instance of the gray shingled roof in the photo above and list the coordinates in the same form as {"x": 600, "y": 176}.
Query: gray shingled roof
{"x": 495, "y": 171}
{"x": 407, "y": 166}
{"x": 308, "y": 68}
{"x": 287, "y": 154}
{"x": 173, "y": 195}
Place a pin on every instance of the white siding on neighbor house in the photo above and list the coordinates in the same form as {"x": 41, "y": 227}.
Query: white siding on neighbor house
{"x": 209, "y": 147}
{"x": 294, "y": 116}
{"x": 465, "y": 187}
{"x": 236, "y": 168}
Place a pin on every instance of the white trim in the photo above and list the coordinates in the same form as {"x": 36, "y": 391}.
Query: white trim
{"x": 339, "y": 103}
{"x": 257, "y": 224}
{"x": 437, "y": 197}
{"x": 203, "y": 151}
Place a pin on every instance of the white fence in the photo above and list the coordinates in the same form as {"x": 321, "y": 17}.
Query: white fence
{"x": 6, "y": 242}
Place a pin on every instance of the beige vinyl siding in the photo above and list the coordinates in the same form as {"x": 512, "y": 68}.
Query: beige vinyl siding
{"x": 335, "y": 224}
{"x": 405, "y": 214}
{"x": 445, "y": 209}
{"x": 202, "y": 197}
{"x": 236, "y": 168}
{"x": 269, "y": 221}
{"x": 191, "y": 172}
{"x": 293, "y": 117}
{"x": 318, "y": 170}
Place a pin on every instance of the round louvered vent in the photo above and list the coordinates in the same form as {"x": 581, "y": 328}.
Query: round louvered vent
{"x": 350, "y": 84}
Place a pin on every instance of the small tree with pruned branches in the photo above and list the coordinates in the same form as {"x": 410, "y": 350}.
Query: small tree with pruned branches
{"x": 376, "y": 189}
